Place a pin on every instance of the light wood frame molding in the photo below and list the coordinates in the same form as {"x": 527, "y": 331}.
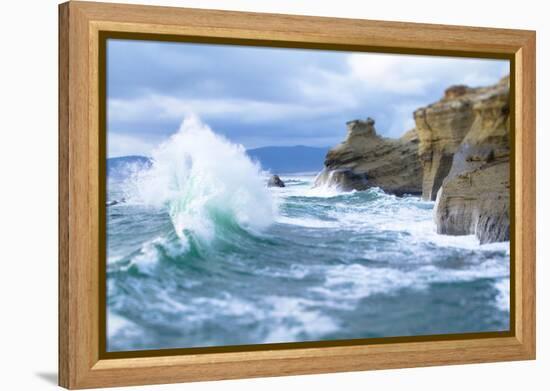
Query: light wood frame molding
{"x": 81, "y": 160}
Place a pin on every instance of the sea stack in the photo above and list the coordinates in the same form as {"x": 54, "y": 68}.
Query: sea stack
{"x": 465, "y": 154}
{"x": 365, "y": 160}
{"x": 275, "y": 181}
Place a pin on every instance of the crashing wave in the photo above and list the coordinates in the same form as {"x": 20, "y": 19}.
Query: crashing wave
{"x": 206, "y": 183}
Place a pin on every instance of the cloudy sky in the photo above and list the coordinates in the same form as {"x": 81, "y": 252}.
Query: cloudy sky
{"x": 268, "y": 96}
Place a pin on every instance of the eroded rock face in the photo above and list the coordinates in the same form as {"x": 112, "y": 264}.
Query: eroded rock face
{"x": 458, "y": 155}
{"x": 366, "y": 160}
{"x": 474, "y": 194}
{"x": 441, "y": 128}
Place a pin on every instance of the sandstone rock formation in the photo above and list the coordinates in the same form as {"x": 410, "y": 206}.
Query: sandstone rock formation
{"x": 366, "y": 160}
{"x": 470, "y": 175}
{"x": 441, "y": 128}
{"x": 458, "y": 155}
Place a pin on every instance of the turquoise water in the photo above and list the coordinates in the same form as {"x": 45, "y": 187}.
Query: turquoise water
{"x": 332, "y": 266}
{"x": 203, "y": 254}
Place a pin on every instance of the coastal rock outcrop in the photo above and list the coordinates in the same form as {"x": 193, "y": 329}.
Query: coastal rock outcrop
{"x": 275, "y": 181}
{"x": 473, "y": 195}
{"x": 365, "y": 160}
{"x": 458, "y": 155}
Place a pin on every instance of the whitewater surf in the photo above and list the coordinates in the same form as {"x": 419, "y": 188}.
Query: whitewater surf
{"x": 202, "y": 253}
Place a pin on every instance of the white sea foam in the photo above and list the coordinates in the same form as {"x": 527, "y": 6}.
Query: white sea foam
{"x": 405, "y": 215}
{"x": 301, "y": 185}
{"x": 117, "y": 324}
{"x": 149, "y": 253}
{"x": 198, "y": 175}
{"x": 291, "y": 318}
{"x": 355, "y": 281}
{"x": 307, "y": 222}
{"x": 114, "y": 259}
{"x": 227, "y": 304}
{"x": 502, "y": 299}
{"x": 324, "y": 191}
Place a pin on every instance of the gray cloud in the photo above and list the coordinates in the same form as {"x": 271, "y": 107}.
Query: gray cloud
{"x": 269, "y": 96}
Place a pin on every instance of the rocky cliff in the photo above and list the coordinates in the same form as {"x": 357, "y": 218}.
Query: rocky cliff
{"x": 441, "y": 127}
{"x": 365, "y": 159}
{"x": 458, "y": 155}
{"x": 470, "y": 176}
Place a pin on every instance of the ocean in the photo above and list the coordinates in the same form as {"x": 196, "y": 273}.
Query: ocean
{"x": 201, "y": 253}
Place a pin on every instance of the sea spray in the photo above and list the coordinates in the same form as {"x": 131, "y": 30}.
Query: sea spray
{"x": 205, "y": 182}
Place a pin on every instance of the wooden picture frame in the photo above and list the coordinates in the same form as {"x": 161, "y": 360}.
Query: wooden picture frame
{"x": 82, "y": 29}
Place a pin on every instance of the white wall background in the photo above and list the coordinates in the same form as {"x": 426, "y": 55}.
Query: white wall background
{"x": 28, "y": 194}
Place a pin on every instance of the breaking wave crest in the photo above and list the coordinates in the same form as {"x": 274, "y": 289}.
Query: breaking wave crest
{"x": 208, "y": 185}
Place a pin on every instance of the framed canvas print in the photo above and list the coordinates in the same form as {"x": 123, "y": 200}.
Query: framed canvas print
{"x": 248, "y": 195}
